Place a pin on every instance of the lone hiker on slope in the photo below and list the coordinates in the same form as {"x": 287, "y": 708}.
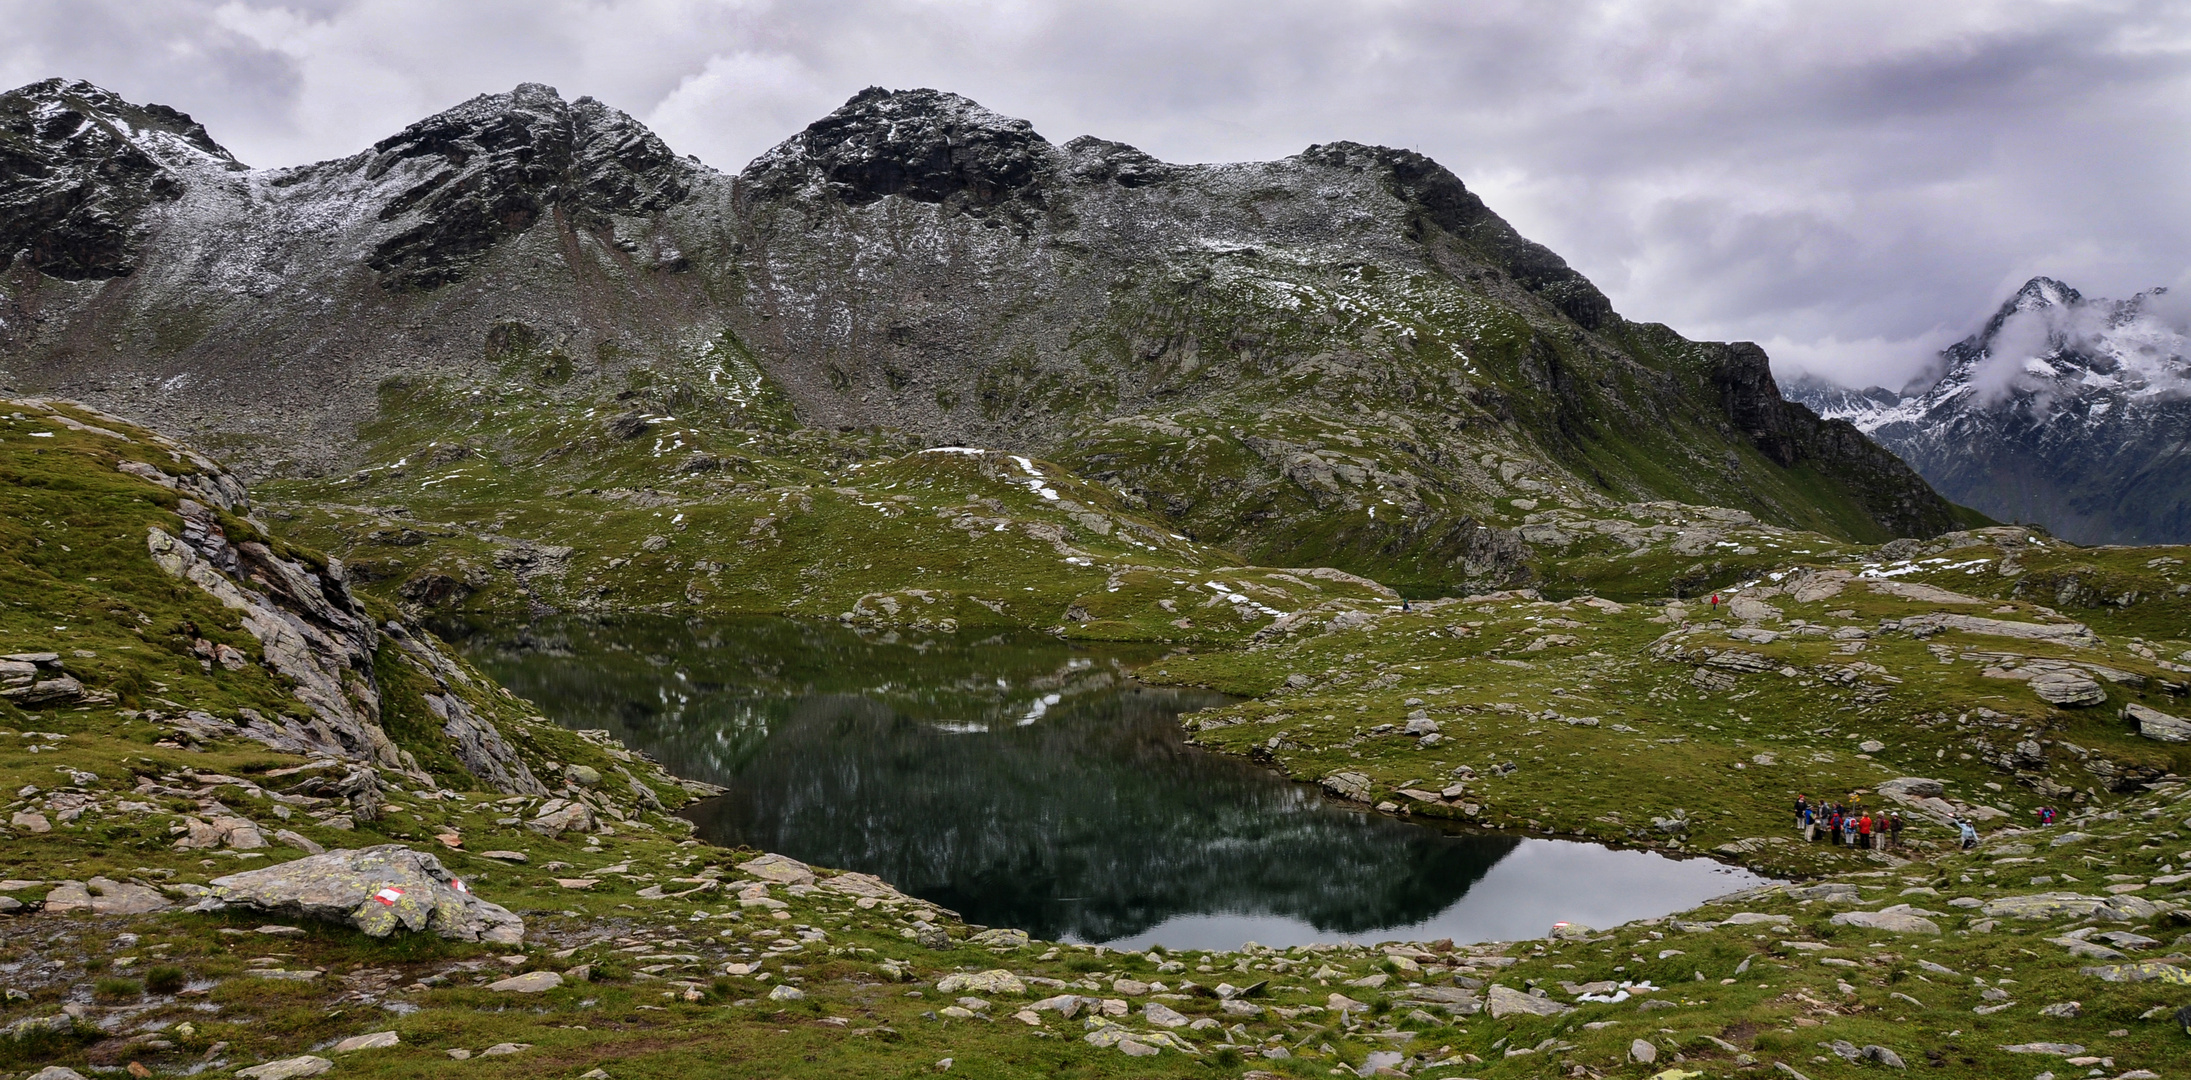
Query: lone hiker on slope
{"x": 1970, "y": 834}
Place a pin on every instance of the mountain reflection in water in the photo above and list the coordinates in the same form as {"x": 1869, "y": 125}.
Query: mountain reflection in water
{"x": 1017, "y": 779}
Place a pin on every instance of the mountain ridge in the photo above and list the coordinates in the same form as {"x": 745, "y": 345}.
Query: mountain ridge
{"x": 918, "y": 263}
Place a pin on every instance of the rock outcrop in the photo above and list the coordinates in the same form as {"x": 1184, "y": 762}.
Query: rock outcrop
{"x": 311, "y": 628}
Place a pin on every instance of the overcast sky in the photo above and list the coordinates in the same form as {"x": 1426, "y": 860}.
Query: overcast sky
{"x": 1852, "y": 184}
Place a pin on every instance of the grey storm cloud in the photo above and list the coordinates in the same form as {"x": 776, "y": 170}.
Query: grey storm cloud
{"x": 1852, "y": 185}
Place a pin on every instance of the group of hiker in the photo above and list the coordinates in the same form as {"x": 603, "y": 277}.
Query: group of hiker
{"x": 1851, "y": 825}
{"x": 1848, "y": 824}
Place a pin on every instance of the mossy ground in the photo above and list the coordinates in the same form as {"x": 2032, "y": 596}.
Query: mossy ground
{"x": 1615, "y": 718}
{"x": 655, "y": 1005}
{"x": 522, "y": 506}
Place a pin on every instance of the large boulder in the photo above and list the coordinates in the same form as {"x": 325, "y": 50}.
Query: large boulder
{"x": 2155, "y": 724}
{"x": 778, "y": 869}
{"x": 1506, "y": 1001}
{"x": 559, "y": 816}
{"x": 287, "y": 1068}
{"x": 994, "y": 981}
{"x": 2068, "y": 688}
{"x": 379, "y": 890}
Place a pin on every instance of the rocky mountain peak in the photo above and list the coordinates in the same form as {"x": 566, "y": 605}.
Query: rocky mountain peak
{"x": 2063, "y": 409}
{"x": 926, "y": 145}
{"x": 2042, "y": 292}
{"x": 1441, "y": 200}
{"x": 82, "y": 163}
{"x": 490, "y": 168}
{"x": 86, "y": 117}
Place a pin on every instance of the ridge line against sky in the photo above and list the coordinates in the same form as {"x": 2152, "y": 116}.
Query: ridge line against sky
{"x": 1853, "y": 185}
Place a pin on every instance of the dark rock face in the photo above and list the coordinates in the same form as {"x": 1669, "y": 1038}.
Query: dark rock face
{"x": 493, "y": 166}
{"x": 79, "y": 164}
{"x": 1102, "y": 161}
{"x": 2063, "y": 410}
{"x": 925, "y": 145}
{"x": 1793, "y": 436}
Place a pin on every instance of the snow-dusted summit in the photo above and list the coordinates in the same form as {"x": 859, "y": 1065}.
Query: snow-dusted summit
{"x": 912, "y": 264}
{"x": 2064, "y": 410}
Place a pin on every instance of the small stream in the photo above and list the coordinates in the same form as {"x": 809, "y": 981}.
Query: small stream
{"x": 1027, "y": 782}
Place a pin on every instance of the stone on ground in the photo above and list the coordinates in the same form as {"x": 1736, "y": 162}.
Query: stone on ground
{"x": 993, "y": 981}
{"x": 1892, "y": 921}
{"x": 103, "y": 896}
{"x": 1163, "y": 1015}
{"x": 1506, "y": 1001}
{"x": 379, "y": 1040}
{"x": 532, "y": 982}
{"x": 779, "y": 869}
{"x": 287, "y": 1068}
{"x": 2067, "y": 688}
{"x": 2054, "y": 1049}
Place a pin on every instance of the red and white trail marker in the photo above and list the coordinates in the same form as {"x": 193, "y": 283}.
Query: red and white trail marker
{"x": 389, "y": 895}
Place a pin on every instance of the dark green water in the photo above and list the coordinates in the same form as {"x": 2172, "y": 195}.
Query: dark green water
{"x": 1027, "y": 782}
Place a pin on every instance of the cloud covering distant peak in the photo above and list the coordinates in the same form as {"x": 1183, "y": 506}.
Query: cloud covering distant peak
{"x": 1853, "y": 185}
{"x": 2057, "y": 342}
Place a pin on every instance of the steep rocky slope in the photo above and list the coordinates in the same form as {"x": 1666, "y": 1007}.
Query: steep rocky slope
{"x": 2064, "y": 410}
{"x": 82, "y": 166}
{"x": 1340, "y": 357}
{"x": 139, "y": 581}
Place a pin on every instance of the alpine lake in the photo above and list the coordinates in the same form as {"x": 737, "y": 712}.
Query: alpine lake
{"x": 1028, "y": 782}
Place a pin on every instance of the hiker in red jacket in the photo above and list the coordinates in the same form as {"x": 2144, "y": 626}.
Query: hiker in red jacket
{"x": 1863, "y": 831}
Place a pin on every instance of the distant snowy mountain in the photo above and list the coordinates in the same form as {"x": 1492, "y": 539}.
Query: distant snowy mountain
{"x": 2068, "y": 411}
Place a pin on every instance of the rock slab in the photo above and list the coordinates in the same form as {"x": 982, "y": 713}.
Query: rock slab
{"x": 1896, "y": 922}
{"x": 1506, "y": 1001}
{"x": 532, "y": 982}
{"x": 379, "y": 1040}
{"x": 2157, "y": 725}
{"x": 103, "y": 896}
{"x": 287, "y": 1068}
